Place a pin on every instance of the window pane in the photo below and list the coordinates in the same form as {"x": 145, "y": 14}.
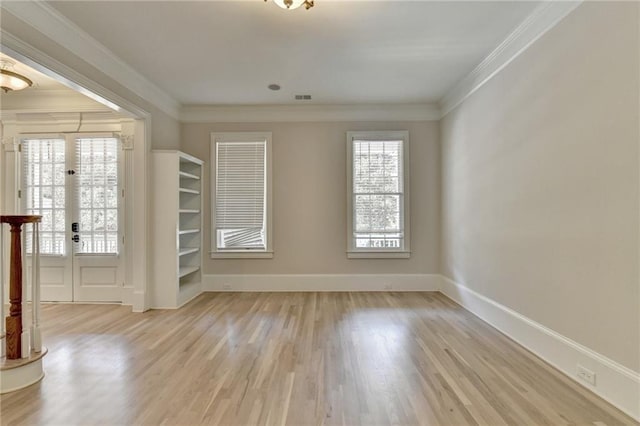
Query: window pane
{"x": 377, "y": 166}
{"x": 377, "y": 213}
{"x": 97, "y": 163}
{"x": 43, "y": 165}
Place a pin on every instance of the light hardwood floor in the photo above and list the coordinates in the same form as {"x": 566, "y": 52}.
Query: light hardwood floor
{"x": 295, "y": 359}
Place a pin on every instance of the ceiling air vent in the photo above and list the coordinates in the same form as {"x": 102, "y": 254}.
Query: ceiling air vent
{"x": 303, "y": 97}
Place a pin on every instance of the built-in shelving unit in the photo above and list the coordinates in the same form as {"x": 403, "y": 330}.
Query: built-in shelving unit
{"x": 178, "y": 228}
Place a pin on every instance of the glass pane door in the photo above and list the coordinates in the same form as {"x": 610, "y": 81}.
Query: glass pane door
{"x": 97, "y": 261}
{"x": 78, "y": 197}
{"x": 97, "y": 195}
{"x": 44, "y": 193}
{"x": 44, "y": 171}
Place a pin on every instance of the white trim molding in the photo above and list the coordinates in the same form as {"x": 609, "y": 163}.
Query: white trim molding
{"x": 50, "y": 101}
{"x": 322, "y": 282}
{"x": 615, "y": 383}
{"x": 308, "y": 113}
{"x": 379, "y": 254}
{"x": 10, "y": 144}
{"x": 541, "y": 20}
{"x": 61, "y": 30}
{"x": 65, "y": 122}
{"x": 237, "y": 254}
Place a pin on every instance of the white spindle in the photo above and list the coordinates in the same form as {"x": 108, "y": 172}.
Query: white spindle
{"x": 36, "y": 338}
{"x": 3, "y": 341}
{"x": 24, "y": 337}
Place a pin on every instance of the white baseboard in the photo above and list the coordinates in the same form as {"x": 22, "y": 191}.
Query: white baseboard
{"x": 127, "y": 296}
{"x": 138, "y": 301}
{"x": 322, "y": 282}
{"x": 615, "y": 383}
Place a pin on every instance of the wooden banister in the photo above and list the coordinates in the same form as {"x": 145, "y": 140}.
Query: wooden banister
{"x": 14, "y": 320}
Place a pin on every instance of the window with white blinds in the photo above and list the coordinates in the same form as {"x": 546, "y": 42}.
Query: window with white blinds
{"x": 378, "y": 192}
{"x": 240, "y": 202}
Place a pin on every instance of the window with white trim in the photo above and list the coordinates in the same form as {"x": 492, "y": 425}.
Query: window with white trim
{"x": 241, "y": 198}
{"x": 378, "y": 188}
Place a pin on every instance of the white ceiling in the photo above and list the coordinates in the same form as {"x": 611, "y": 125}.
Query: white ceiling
{"x": 227, "y": 52}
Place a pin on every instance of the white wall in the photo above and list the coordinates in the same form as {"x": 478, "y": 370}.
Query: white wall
{"x": 309, "y": 198}
{"x": 540, "y": 188}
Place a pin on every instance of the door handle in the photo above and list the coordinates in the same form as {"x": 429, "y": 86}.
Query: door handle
{"x": 76, "y": 238}
{"x": 75, "y": 227}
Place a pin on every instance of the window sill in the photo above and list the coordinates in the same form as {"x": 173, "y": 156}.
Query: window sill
{"x": 241, "y": 254}
{"x": 378, "y": 254}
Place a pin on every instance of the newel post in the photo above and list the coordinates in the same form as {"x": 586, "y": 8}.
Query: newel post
{"x": 14, "y": 332}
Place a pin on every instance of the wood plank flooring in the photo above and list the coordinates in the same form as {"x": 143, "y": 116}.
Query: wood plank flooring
{"x": 294, "y": 359}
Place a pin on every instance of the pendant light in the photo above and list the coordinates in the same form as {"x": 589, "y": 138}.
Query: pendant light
{"x": 294, "y": 4}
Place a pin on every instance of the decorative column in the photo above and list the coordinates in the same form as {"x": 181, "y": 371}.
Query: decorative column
{"x": 14, "y": 320}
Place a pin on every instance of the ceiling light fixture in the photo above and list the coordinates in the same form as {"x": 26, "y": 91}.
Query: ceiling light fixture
{"x": 11, "y": 80}
{"x": 294, "y": 4}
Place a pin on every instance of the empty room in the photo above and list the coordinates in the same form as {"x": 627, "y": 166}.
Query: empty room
{"x": 319, "y": 212}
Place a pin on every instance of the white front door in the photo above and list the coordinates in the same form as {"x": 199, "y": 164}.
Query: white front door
{"x": 73, "y": 181}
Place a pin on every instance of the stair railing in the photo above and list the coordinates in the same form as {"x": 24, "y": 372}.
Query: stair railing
{"x": 18, "y": 337}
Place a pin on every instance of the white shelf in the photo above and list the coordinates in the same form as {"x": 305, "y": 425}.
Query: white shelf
{"x": 189, "y": 191}
{"x": 188, "y": 175}
{"x": 195, "y": 211}
{"x": 188, "y": 231}
{"x": 187, "y": 270}
{"x": 186, "y": 251}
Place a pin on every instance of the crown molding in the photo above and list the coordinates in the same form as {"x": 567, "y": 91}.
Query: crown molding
{"x": 57, "y": 117}
{"x": 308, "y": 113}
{"x": 61, "y": 30}
{"x": 541, "y": 20}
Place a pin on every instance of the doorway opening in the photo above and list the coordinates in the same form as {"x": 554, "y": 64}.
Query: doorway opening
{"x": 68, "y": 154}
